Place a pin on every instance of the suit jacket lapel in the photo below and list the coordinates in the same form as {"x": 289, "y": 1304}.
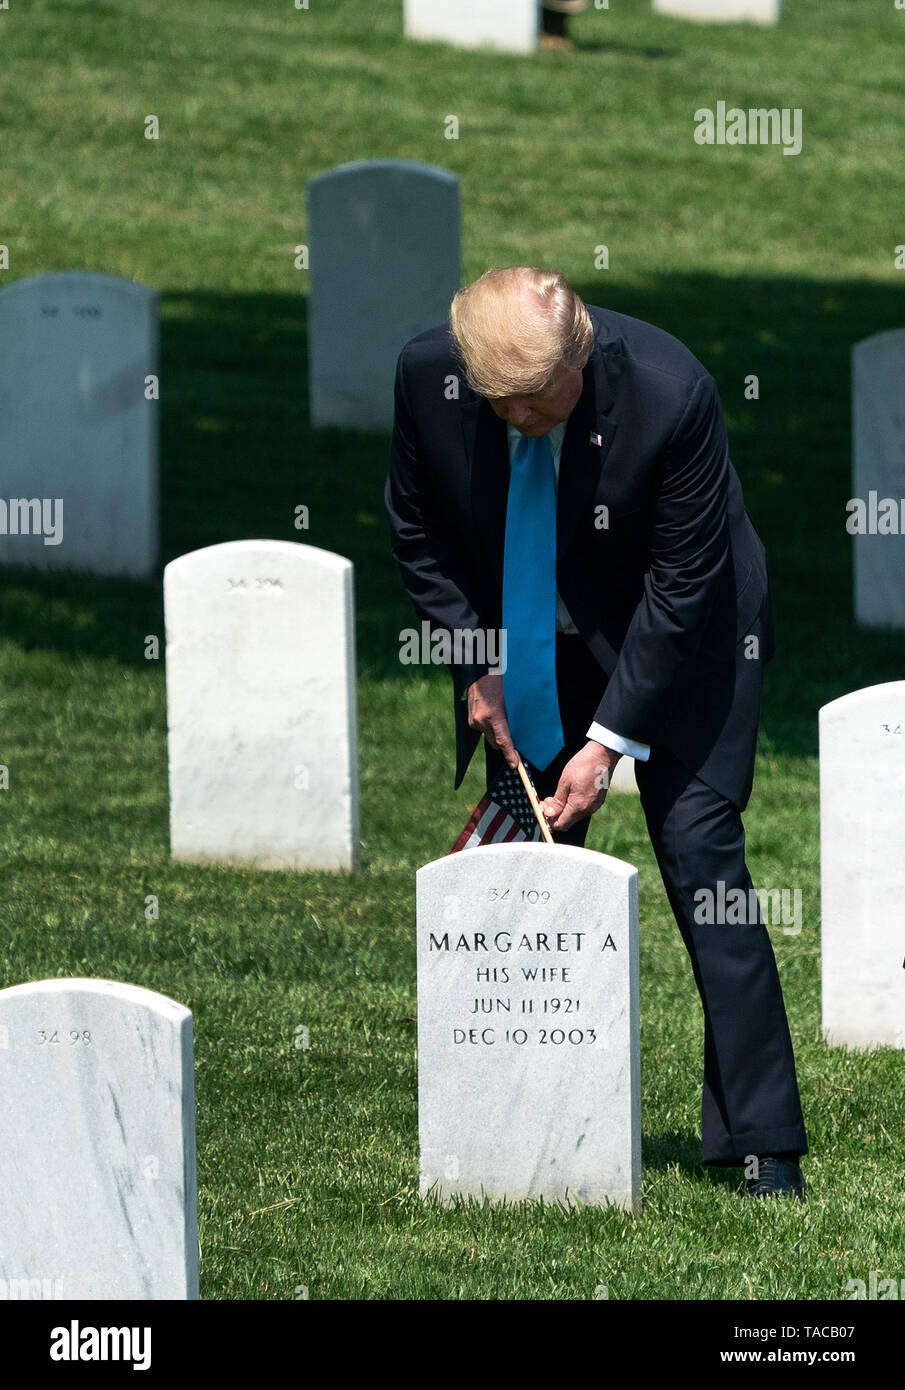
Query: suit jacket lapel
{"x": 581, "y": 463}
{"x": 487, "y": 455}
{"x": 583, "y": 458}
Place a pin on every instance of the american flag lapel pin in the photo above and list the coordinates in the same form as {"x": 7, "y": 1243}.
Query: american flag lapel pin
{"x": 596, "y": 440}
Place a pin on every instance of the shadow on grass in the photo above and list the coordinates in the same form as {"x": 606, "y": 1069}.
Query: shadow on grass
{"x": 625, "y": 50}
{"x": 674, "y": 1150}
{"x": 238, "y": 457}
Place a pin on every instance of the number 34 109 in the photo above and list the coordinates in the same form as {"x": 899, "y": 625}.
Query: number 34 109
{"x": 527, "y": 895}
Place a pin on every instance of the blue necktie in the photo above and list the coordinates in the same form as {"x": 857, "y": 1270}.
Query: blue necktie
{"x": 529, "y": 604}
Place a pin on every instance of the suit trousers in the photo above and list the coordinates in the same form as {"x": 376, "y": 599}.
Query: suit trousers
{"x": 750, "y": 1101}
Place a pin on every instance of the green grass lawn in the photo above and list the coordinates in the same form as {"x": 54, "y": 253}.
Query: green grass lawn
{"x": 763, "y": 264}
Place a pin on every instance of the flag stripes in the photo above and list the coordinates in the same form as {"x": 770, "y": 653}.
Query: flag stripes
{"x": 503, "y": 816}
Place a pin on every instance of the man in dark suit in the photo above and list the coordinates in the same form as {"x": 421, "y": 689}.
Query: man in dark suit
{"x": 559, "y": 473}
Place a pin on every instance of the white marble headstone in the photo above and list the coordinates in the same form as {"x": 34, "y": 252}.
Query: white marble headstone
{"x": 385, "y": 264}
{"x": 721, "y": 11}
{"x": 528, "y": 1025}
{"x": 623, "y": 778}
{"x": 511, "y": 25}
{"x": 78, "y": 435}
{"x": 97, "y": 1155}
{"x": 862, "y": 866}
{"x": 261, "y": 706}
{"x": 878, "y": 479}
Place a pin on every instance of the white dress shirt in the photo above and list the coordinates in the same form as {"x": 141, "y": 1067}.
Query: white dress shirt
{"x": 564, "y": 622}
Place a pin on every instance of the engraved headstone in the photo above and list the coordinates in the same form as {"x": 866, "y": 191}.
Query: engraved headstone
{"x": 528, "y": 1025}
{"x": 97, "y": 1155}
{"x": 78, "y": 425}
{"x": 506, "y": 24}
{"x": 385, "y": 263}
{"x": 862, "y": 866}
{"x": 877, "y": 509}
{"x": 721, "y": 11}
{"x": 260, "y": 650}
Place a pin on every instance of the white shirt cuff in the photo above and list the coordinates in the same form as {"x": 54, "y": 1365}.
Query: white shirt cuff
{"x": 629, "y": 746}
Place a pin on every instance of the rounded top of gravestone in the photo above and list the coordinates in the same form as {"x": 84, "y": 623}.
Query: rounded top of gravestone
{"x": 539, "y": 852}
{"x": 78, "y": 280}
{"x": 136, "y": 995}
{"x": 888, "y": 693}
{"x": 890, "y": 339}
{"x": 291, "y": 552}
{"x": 358, "y": 168}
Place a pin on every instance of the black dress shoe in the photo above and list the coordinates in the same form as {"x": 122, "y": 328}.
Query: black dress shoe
{"x": 776, "y": 1177}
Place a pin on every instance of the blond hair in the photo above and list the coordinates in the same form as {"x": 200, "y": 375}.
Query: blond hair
{"x": 513, "y": 327}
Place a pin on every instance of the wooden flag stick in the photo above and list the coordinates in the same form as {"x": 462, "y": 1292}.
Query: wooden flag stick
{"x": 535, "y": 804}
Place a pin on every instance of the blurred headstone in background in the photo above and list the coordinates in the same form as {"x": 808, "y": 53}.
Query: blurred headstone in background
{"x": 261, "y": 707}
{"x": 385, "y": 264}
{"x": 721, "y": 11}
{"x": 862, "y": 866}
{"x": 876, "y": 511}
{"x": 504, "y": 24}
{"x": 78, "y": 425}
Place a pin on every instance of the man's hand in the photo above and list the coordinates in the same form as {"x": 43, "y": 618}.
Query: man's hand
{"x": 487, "y": 712}
{"x": 583, "y": 786}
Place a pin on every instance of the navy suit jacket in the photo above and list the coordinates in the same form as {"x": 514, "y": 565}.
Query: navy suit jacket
{"x": 665, "y": 593}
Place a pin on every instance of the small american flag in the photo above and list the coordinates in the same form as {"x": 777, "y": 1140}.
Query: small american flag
{"x": 597, "y": 440}
{"x": 502, "y": 816}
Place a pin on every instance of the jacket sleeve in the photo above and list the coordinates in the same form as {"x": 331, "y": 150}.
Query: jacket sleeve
{"x": 432, "y": 572}
{"x": 689, "y": 555}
